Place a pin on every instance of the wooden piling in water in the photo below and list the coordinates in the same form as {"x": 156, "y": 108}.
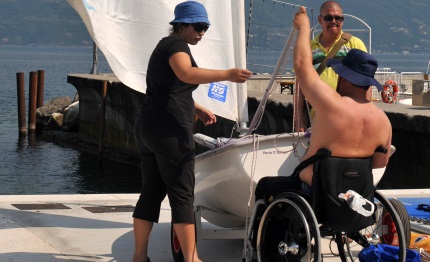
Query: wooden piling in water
{"x": 32, "y": 97}
{"x": 102, "y": 121}
{"x": 22, "y": 130}
{"x": 40, "y": 87}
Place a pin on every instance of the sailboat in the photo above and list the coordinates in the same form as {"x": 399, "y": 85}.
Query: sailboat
{"x": 226, "y": 175}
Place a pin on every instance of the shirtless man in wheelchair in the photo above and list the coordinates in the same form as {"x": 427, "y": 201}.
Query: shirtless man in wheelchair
{"x": 345, "y": 121}
{"x": 346, "y": 127}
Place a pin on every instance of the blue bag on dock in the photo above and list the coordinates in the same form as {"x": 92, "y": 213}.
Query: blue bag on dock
{"x": 386, "y": 253}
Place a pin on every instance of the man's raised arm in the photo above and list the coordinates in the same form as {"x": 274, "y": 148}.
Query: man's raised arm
{"x": 316, "y": 91}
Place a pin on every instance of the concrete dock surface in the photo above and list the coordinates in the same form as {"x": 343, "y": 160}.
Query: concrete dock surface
{"x": 99, "y": 228}
{"x": 88, "y": 228}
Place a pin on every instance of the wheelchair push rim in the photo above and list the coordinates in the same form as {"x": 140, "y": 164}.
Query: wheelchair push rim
{"x": 288, "y": 231}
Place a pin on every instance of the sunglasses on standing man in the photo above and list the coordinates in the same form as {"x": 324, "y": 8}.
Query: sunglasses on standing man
{"x": 329, "y": 18}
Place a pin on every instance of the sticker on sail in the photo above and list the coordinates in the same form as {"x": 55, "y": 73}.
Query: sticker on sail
{"x": 218, "y": 91}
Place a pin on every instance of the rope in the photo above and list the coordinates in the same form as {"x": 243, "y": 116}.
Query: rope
{"x": 295, "y": 106}
{"x": 256, "y": 143}
{"x": 236, "y": 126}
{"x": 425, "y": 257}
{"x": 283, "y": 58}
{"x": 309, "y": 113}
{"x": 276, "y": 146}
{"x": 296, "y": 138}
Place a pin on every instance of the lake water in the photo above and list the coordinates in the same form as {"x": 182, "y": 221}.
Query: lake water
{"x": 34, "y": 166}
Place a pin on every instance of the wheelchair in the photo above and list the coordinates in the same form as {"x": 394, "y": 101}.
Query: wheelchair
{"x": 291, "y": 226}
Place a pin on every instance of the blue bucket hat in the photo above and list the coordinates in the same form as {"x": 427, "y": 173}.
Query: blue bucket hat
{"x": 358, "y": 67}
{"x": 190, "y": 12}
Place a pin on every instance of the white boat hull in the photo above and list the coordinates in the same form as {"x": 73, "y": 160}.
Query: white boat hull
{"x": 223, "y": 175}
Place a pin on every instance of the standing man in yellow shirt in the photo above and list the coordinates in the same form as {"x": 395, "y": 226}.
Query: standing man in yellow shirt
{"x": 331, "y": 20}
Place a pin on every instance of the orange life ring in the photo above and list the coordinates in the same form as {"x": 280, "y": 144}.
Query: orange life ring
{"x": 389, "y": 92}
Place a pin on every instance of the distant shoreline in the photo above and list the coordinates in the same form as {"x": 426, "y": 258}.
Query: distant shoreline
{"x": 91, "y": 46}
{"x": 35, "y": 45}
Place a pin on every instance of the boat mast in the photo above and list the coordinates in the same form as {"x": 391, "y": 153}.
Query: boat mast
{"x": 240, "y": 58}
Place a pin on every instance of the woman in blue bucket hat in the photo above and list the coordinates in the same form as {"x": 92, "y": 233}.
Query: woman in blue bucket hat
{"x": 163, "y": 129}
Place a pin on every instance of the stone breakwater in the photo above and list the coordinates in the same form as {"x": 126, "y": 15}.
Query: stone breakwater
{"x": 408, "y": 167}
{"x": 60, "y": 113}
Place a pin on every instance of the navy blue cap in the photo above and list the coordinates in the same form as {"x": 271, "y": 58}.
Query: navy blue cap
{"x": 190, "y": 12}
{"x": 358, "y": 67}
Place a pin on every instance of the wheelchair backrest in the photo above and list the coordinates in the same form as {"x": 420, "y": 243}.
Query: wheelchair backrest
{"x": 336, "y": 175}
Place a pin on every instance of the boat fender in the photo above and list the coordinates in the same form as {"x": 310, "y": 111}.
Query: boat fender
{"x": 389, "y": 92}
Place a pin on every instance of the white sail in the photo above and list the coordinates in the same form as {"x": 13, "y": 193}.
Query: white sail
{"x": 128, "y": 31}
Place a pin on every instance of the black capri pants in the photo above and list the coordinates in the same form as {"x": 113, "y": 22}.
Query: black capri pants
{"x": 167, "y": 163}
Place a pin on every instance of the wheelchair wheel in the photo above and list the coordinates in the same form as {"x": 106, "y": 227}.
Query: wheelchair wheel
{"x": 387, "y": 226}
{"x": 404, "y": 217}
{"x": 175, "y": 246}
{"x": 288, "y": 231}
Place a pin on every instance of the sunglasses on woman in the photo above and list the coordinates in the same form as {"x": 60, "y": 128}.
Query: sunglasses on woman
{"x": 329, "y": 18}
{"x": 198, "y": 27}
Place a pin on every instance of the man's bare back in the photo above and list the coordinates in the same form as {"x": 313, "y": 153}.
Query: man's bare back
{"x": 345, "y": 121}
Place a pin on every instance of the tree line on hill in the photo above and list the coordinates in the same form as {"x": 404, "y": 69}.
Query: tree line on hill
{"x": 396, "y": 26}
